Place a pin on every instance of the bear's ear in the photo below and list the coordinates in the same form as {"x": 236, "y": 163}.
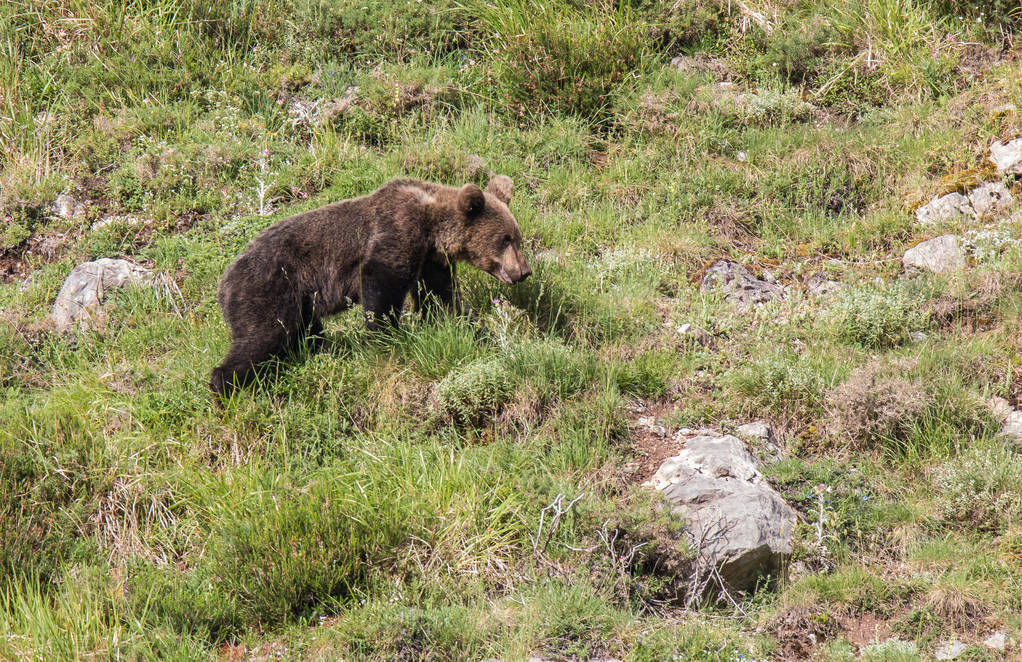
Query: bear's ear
{"x": 501, "y": 187}
{"x": 471, "y": 201}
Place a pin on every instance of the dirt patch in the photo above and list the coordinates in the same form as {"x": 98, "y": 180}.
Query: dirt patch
{"x": 652, "y": 441}
{"x": 864, "y": 629}
{"x": 40, "y": 248}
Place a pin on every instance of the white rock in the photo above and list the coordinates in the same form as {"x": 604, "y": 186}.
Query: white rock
{"x": 1012, "y": 427}
{"x": 1007, "y": 156}
{"x": 998, "y": 641}
{"x": 945, "y": 208}
{"x": 68, "y": 207}
{"x": 742, "y": 524}
{"x": 949, "y": 650}
{"x": 757, "y": 430}
{"x": 85, "y": 287}
{"x": 990, "y": 198}
{"x": 941, "y": 255}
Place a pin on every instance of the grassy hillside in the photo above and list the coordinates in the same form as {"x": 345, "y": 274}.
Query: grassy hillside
{"x": 390, "y": 498}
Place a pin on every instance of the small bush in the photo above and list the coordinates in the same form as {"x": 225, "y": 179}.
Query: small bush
{"x": 553, "y": 369}
{"x": 981, "y": 489}
{"x": 475, "y": 391}
{"x": 877, "y": 317}
{"x": 553, "y": 57}
{"x": 878, "y": 401}
{"x": 782, "y": 383}
{"x": 647, "y": 375}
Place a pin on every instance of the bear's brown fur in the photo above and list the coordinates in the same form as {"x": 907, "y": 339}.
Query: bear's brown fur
{"x": 404, "y": 237}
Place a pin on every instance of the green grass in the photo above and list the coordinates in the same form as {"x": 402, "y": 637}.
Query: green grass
{"x": 382, "y": 499}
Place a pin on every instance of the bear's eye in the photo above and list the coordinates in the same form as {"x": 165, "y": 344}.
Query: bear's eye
{"x": 507, "y": 239}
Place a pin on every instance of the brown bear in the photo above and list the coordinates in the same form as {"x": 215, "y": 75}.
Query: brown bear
{"x": 404, "y": 237}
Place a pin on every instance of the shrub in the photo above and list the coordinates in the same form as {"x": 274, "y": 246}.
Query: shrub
{"x": 647, "y": 375}
{"x": 475, "y": 391}
{"x": 552, "y": 57}
{"x": 877, "y": 317}
{"x": 981, "y": 489}
{"x": 878, "y": 401}
{"x": 782, "y": 383}
{"x": 553, "y": 369}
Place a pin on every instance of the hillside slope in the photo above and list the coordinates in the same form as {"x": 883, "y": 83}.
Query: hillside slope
{"x": 404, "y": 497}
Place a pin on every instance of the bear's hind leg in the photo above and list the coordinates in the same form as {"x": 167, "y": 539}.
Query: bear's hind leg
{"x": 238, "y": 368}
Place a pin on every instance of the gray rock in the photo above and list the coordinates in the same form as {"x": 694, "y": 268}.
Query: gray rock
{"x": 949, "y": 650}
{"x": 990, "y": 198}
{"x": 998, "y": 641}
{"x": 336, "y": 107}
{"x": 1007, "y": 156}
{"x": 819, "y": 285}
{"x": 1009, "y": 417}
{"x": 758, "y": 430}
{"x": 85, "y": 287}
{"x": 742, "y": 524}
{"x": 739, "y": 286}
{"x": 945, "y": 208}
{"x": 941, "y": 255}
{"x": 764, "y": 441}
{"x": 68, "y": 207}
{"x": 1012, "y": 427}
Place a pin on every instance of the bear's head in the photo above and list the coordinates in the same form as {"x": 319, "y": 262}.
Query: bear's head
{"x": 493, "y": 242}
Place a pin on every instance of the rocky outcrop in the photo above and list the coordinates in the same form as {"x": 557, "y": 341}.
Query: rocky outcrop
{"x": 739, "y": 286}
{"x": 740, "y": 523}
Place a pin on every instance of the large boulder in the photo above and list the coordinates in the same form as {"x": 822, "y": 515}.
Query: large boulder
{"x": 740, "y": 523}
{"x": 739, "y": 286}
{"x": 85, "y": 287}
{"x": 944, "y": 254}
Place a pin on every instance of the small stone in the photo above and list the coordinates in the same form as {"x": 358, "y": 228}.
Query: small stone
{"x": 1007, "y": 156}
{"x": 742, "y": 157}
{"x": 68, "y": 207}
{"x": 990, "y": 198}
{"x": 998, "y": 641}
{"x": 949, "y": 650}
{"x": 918, "y": 336}
{"x": 945, "y": 208}
{"x": 941, "y": 255}
{"x": 684, "y": 328}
